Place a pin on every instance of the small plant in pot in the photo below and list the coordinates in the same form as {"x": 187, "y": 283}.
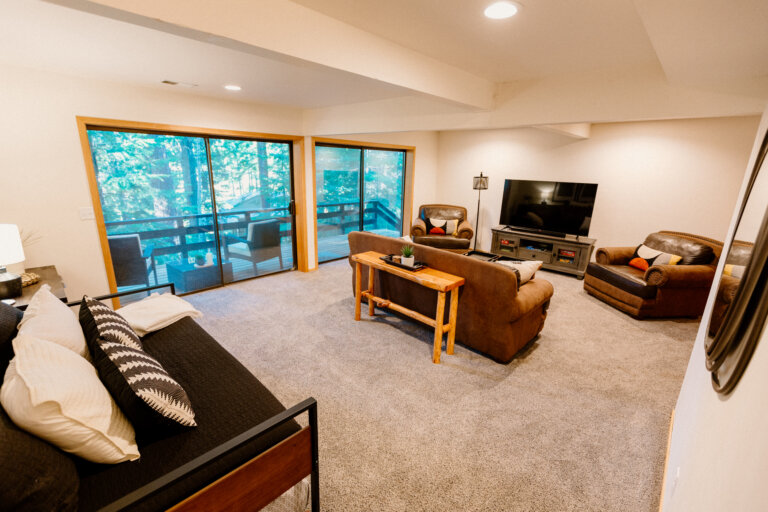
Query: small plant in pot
{"x": 407, "y": 257}
{"x": 199, "y": 260}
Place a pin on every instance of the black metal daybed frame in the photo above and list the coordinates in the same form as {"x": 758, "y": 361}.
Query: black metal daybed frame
{"x": 257, "y": 482}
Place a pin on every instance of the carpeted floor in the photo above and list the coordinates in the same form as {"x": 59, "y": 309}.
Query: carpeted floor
{"x": 578, "y": 422}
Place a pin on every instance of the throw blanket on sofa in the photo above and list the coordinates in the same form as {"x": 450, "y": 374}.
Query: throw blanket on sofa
{"x": 157, "y": 311}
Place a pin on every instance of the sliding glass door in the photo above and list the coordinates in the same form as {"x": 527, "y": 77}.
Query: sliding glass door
{"x": 159, "y": 192}
{"x": 357, "y": 189}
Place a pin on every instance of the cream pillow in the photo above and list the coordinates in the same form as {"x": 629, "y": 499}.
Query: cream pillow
{"x": 47, "y": 318}
{"x": 55, "y": 394}
{"x": 525, "y": 269}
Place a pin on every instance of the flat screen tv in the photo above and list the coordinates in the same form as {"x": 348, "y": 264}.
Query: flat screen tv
{"x": 548, "y": 207}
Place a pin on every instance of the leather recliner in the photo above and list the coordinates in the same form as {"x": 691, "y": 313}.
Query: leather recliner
{"x": 464, "y": 232}
{"x": 661, "y": 290}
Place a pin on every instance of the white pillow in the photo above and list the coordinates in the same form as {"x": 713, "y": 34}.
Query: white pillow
{"x": 156, "y": 311}
{"x": 525, "y": 269}
{"x": 47, "y": 318}
{"x": 55, "y": 394}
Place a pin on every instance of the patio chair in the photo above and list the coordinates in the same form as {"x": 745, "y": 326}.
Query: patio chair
{"x": 131, "y": 264}
{"x": 262, "y": 244}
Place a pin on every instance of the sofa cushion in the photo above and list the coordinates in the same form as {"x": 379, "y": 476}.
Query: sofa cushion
{"x": 55, "y": 394}
{"x": 623, "y": 277}
{"x": 224, "y": 408}
{"x": 525, "y": 270}
{"x": 34, "y": 475}
{"x": 9, "y": 321}
{"x": 148, "y": 395}
{"x": 691, "y": 252}
{"x": 442, "y": 242}
{"x": 439, "y": 226}
{"x": 645, "y": 257}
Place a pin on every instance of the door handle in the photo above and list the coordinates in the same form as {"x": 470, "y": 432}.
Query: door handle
{"x": 292, "y": 207}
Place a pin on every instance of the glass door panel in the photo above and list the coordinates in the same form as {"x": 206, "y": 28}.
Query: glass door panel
{"x": 384, "y": 179}
{"x": 156, "y": 199}
{"x": 252, "y": 184}
{"x": 337, "y": 182}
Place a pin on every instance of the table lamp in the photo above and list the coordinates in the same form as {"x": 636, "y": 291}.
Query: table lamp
{"x": 11, "y": 252}
{"x": 479, "y": 183}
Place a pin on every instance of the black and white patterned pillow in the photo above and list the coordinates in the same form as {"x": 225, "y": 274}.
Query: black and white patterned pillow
{"x": 149, "y": 397}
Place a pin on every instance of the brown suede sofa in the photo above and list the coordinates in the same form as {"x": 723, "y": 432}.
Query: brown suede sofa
{"x": 494, "y": 318}
{"x": 662, "y": 290}
{"x": 464, "y": 232}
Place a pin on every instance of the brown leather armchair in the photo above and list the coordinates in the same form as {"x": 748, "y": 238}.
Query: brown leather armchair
{"x": 662, "y": 290}
{"x": 464, "y": 232}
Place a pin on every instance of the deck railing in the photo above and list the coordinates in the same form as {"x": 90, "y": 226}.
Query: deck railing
{"x": 185, "y": 234}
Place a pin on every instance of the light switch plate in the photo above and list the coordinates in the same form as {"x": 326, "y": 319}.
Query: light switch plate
{"x": 86, "y": 213}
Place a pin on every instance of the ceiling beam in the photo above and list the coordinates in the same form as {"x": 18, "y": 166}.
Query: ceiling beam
{"x": 287, "y": 31}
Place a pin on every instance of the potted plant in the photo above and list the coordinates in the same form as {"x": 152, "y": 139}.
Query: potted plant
{"x": 199, "y": 260}
{"x": 407, "y": 257}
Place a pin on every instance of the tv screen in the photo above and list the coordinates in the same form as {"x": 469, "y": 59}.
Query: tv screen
{"x": 548, "y": 206}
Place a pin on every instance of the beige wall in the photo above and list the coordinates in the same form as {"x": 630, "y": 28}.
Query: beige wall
{"x": 681, "y": 175}
{"x": 717, "y": 458}
{"x": 41, "y": 164}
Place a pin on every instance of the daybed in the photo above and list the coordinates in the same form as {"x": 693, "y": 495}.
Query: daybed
{"x": 494, "y": 317}
{"x": 246, "y": 450}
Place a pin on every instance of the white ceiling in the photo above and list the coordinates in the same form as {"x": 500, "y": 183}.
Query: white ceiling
{"x": 705, "y": 44}
{"x": 51, "y": 37}
{"x": 546, "y": 37}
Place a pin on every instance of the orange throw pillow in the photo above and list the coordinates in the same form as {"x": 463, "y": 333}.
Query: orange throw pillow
{"x": 640, "y": 263}
{"x": 437, "y": 231}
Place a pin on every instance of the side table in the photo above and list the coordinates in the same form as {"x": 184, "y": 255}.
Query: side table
{"x": 428, "y": 277}
{"x": 48, "y": 275}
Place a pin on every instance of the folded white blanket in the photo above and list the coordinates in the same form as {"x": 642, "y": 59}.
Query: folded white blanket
{"x": 157, "y": 311}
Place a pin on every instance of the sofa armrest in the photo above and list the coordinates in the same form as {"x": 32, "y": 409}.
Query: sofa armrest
{"x": 680, "y": 276}
{"x": 465, "y": 230}
{"x": 418, "y": 228}
{"x": 530, "y": 296}
{"x": 727, "y": 290}
{"x": 614, "y": 255}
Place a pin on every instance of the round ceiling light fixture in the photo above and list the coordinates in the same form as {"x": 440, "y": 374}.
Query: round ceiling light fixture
{"x": 501, "y": 10}
{"x": 233, "y": 87}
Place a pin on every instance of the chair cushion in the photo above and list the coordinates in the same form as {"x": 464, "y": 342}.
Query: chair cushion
{"x": 437, "y": 226}
{"x": 623, "y": 277}
{"x": 240, "y": 249}
{"x": 442, "y": 242}
{"x": 224, "y": 408}
{"x": 645, "y": 257}
{"x": 692, "y": 252}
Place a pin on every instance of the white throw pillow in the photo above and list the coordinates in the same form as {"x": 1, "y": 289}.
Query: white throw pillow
{"x": 55, "y": 394}
{"x": 47, "y": 318}
{"x": 525, "y": 269}
{"x": 156, "y": 311}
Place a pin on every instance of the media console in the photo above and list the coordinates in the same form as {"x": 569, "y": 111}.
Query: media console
{"x": 570, "y": 254}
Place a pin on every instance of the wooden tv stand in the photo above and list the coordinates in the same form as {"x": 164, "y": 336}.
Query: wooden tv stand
{"x": 570, "y": 254}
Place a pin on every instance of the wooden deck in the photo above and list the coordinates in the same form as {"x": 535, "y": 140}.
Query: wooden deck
{"x": 330, "y": 247}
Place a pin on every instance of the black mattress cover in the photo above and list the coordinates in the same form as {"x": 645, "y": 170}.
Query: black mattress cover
{"x": 227, "y": 399}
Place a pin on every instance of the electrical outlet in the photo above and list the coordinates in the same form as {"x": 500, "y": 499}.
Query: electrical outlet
{"x": 86, "y": 213}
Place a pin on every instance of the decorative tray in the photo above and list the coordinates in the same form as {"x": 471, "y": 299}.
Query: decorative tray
{"x": 389, "y": 259}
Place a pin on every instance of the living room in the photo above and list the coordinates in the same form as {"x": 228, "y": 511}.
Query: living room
{"x": 668, "y": 141}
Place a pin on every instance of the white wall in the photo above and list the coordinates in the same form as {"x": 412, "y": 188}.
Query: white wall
{"x": 41, "y": 162}
{"x": 679, "y": 175}
{"x": 718, "y": 457}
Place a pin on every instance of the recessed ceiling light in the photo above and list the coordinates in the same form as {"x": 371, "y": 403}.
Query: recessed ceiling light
{"x": 501, "y": 10}
{"x": 232, "y": 87}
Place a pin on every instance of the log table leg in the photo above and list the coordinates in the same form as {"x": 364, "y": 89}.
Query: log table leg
{"x": 439, "y": 317}
{"x": 452, "y": 321}
{"x": 371, "y": 303}
{"x": 358, "y": 292}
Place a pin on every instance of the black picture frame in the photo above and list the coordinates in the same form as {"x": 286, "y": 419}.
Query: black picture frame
{"x": 730, "y": 348}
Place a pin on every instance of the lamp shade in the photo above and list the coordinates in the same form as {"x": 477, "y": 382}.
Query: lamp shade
{"x": 480, "y": 182}
{"x": 11, "y": 250}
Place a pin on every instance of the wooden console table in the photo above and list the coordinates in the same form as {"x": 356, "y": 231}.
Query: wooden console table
{"x": 428, "y": 277}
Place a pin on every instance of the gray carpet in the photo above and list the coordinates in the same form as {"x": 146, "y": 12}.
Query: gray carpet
{"x": 577, "y": 422}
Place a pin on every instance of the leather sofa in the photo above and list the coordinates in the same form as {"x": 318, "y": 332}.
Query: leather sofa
{"x": 661, "y": 290}
{"x": 494, "y": 317}
{"x": 464, "y": 232}
{"x": 739, "y": 254}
